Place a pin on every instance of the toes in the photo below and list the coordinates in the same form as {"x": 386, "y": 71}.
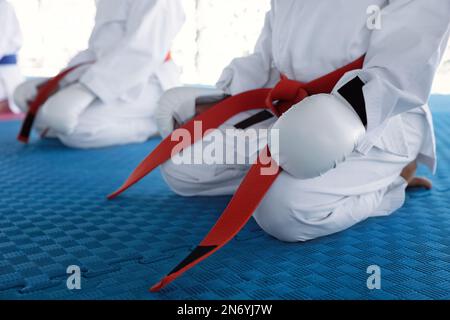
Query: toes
{"x": 419, "y": 182}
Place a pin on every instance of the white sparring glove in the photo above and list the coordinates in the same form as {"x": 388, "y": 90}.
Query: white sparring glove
{"x": 315, "y": 135}
{"x": 62, "y": 111}
{"x": 178, "y": 104}
{"x": 27, "y": 92}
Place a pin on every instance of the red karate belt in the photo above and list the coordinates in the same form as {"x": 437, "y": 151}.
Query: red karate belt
{"x": 255, "y": 185}
{"x": 45, "y": 91}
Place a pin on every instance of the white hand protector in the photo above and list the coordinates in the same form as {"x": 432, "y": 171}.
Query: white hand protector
{"x": 26, "y": 92}
{"x": 62, "y": 111}
{"x": 178, "y": 104}
{"x": 315, "y": 135}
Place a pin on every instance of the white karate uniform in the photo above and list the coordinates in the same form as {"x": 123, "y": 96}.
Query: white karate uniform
{"x": 129, "y": 45}
{"x": 305, "y": 39}
{"x": 10, "y": 44}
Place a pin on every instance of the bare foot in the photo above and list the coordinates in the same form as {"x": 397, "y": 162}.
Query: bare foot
{"x": 409, "y": 174}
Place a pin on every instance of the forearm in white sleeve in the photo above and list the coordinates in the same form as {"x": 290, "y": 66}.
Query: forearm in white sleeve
{"x": 402, "y": 59}
{"x": 151, "y": 27}
{"x": 253, "y": 71}
{"x": 10, "y": 33}
{"x": 3, "y": 26}
{"x": 84, "y": 57}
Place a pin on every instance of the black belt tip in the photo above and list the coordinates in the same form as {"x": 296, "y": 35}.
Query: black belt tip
{"x": 198, "y": 252}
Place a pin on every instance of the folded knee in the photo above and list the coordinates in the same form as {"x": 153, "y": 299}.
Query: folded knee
{"x": 176, "y": 182}
{"x": 277, "y": 217}
{"x": 278, "y": 224}
{"x": 81, "y": 139}
{"x": 88, "y": 136}
{"x": 287, "y": 225}
{"x": 187, "y": 180}
{"x": 73, "y": 141}
{"x": 284, "y": 216}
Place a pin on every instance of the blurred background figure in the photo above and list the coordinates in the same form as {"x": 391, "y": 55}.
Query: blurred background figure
{"x": 214, "y": 33}
{"x": 111, "y": 97}
{"x": 10, "y": 44}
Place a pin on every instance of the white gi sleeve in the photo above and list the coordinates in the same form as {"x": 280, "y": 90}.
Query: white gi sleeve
{"x": 151, "y": 27}
{"x": 253, "y": 71}
{"x": 10, "y": 33}
{"x": 403, "y": 58}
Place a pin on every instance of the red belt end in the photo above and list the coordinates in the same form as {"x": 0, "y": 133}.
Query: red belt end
{"x": 23, "y": 139}
{"x": 114, "y": 195}
{"x": 121, "y": 190}
{"x": 117, "y": 193}
{"x": 160, "y": 285}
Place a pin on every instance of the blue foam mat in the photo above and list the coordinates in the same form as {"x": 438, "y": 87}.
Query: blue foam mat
{"x": 53, "y": 214}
